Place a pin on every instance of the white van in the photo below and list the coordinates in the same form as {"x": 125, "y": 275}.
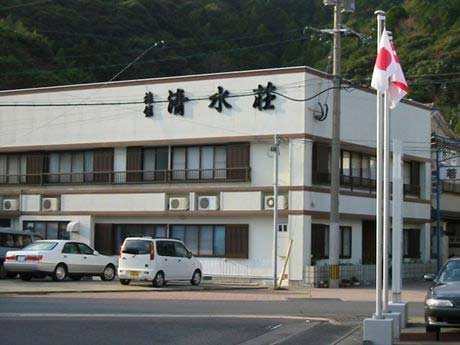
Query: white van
{"x": 157, "y": 260}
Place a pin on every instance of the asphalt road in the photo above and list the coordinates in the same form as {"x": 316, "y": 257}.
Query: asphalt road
{"x": 139, "y": 319}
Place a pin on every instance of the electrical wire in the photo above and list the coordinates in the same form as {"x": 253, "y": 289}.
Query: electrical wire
{"x": 24, "y": 5}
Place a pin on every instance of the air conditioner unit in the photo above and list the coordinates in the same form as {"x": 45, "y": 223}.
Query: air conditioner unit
{"x": 178, "y": 204}
{"x": 270, "y": 202}
{"x": 50, "y": 204}
{"x": 206, "y": 203}
{"x": 10, "y": 205}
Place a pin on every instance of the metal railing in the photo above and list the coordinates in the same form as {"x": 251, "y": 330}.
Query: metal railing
{"x": 130, "y": 177}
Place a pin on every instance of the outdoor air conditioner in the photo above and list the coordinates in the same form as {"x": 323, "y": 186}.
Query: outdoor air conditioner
{"x": 10, "y": 205}
{"x": 206, "y": 203}
{"x": 50, "y": 204}
{"x": 178, "y": 204}
{"x": 270, "y": 202}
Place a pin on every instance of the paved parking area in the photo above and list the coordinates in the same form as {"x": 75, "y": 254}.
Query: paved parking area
{"x": 48, "y": 286}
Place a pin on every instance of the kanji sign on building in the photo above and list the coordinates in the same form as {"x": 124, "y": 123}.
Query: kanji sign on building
{"x": 449, "y": 173}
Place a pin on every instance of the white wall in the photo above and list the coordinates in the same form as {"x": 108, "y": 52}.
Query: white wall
{"x": 241, "y": 201}
{"x": 89, "y": 124}
{"x": 409, "y": 124}
{"x": 113, "y": 202}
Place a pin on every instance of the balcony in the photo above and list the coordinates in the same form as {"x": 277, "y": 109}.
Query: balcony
{"x": 131, "y": 177}
{"x": 361, "y": 184}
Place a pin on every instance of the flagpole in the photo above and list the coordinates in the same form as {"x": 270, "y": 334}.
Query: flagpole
{"x": 386, "y": 200}
{"x": 379, "y": 199}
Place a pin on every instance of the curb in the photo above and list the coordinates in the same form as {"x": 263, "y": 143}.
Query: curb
{"x": 141, "y": 289}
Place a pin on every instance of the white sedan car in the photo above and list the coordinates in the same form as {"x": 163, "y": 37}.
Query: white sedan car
{"x": 60, "y": 259}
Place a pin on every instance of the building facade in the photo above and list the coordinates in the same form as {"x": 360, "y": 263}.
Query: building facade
{"x": 93, "y": 162}
{"x": 449, "y": 193}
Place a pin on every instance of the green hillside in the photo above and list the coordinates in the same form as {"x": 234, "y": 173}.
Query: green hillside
{"x": 76, "y": 41}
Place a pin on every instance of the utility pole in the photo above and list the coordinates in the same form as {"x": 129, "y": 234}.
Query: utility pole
{"x": 275, "y": 148}
{"x": 334, "y": 220}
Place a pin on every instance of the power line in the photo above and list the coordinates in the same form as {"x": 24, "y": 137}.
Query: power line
{"x": 186, "y": 57}
{"x": 157, "y": 101}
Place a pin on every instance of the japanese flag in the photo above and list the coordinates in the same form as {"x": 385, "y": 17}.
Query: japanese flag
{"x": 385, "y": 65}
{"x": 398, "y": 84}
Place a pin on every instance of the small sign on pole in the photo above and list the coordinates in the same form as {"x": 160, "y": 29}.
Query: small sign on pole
{"x": 449, "y": 173}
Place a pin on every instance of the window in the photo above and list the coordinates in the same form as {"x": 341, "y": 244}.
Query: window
{"x": 5, "y": 222}
{"x": 108, "y": 238}
{"x": 70, "y": 248}
{"x": 181, "y": 251}
{"x": 202, "y": 240}
{"x": 48, "y": 230}
{"x": 358, "y": 169}
{"x": 411, "y": 243}
{"x": 84, "y": 249}
{"x": 13, "y": 168}
{"x": 282, "y": 227}
{"x": 136, "y": 247}
{"x": 166, "y": 248}
{"x": 345, "y": 239}
{"x": 320, "y": 241}
{"x": 146, "y": 163}
{"x": 411, "y": 178}
{"x": 199, "y": 162}
{"x": 70, "y": 166}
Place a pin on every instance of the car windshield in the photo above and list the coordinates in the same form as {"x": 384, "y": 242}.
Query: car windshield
{"x": 450, "y": 273}
{"x": 41, "y": 246}
{"x": 136, "y": 247}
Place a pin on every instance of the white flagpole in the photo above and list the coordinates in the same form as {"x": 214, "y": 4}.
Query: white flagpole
{"x": 386, "y": 200}
{"x": 396, "y": 281}
{"x": 379, "y": 199}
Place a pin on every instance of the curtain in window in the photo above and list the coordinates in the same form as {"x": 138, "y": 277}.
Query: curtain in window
{"x": 149, "y": 163}
{"x": 178, "y": 163}
{"x": 206, "y": 240}
{"x": 193, "y": 163}
{"x": 207, "y": 162}
{"x": 78, "y": 166}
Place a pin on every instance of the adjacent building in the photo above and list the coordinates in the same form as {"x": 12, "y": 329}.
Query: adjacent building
{"x": 93, "y": 162}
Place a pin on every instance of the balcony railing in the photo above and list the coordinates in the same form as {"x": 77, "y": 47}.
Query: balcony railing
{"x": 131, "y": 177}
{"x": 361, "y": 184}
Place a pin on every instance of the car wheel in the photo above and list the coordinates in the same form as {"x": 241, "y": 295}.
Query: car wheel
{"x": 196, "y": 278}
{"x": 434, "y": 329}
{"x": 75, "y": 278}
{"x": 108, "y": 274}
{"x": 26, "y": 276}
{"x": 3, "y": 272}
{"x": 159, "y": 280}
{"x": 60, "y": 272}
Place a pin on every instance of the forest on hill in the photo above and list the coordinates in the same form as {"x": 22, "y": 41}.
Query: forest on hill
{"x": 57, "y": 42}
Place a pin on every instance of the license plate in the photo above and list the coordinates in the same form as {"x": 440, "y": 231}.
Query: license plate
{"x": 134, "y": 274}
{"x": 21, "y": 258}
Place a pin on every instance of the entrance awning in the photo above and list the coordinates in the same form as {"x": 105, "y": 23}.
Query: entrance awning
{"x": 73, "y": 227}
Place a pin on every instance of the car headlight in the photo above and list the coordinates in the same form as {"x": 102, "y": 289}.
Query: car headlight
{"x": 432, "y": 302}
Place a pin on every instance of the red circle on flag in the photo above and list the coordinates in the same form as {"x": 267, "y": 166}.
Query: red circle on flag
{"x": 383, "y": 59}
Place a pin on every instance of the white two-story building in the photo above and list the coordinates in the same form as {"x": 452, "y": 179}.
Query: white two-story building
{"x": 85, "y": 162}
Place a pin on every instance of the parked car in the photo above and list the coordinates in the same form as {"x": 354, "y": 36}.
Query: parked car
{"x": 60, "y": 259}
{"x": 11, "y": 239}
{"x": 442, "y": 302}
{"x": 157, "y": 260}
